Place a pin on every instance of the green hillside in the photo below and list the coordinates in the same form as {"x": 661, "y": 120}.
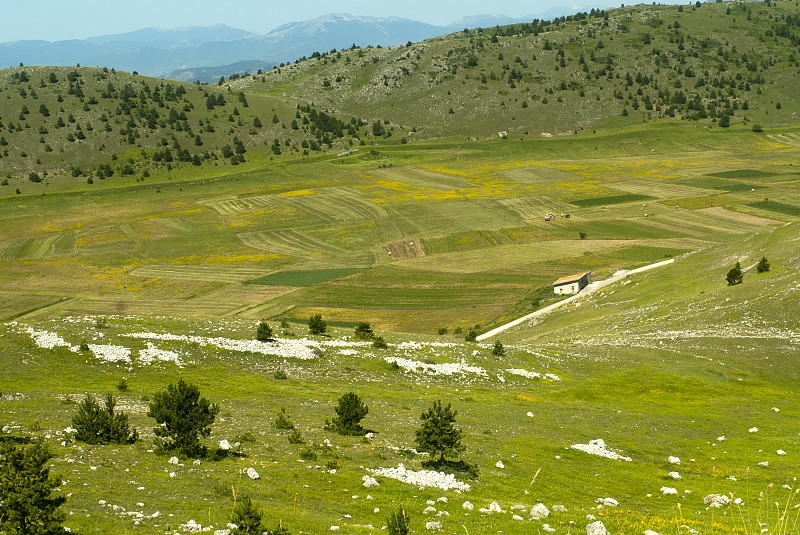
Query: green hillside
{"x": 132, "y": 256}
{"x": 674, "y": 363}
{"x": 69, "y": 125}
{"x": 598, "y": 70}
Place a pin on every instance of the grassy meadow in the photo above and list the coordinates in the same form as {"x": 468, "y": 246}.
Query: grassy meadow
{"x": 671, "y": 362}
{"x": 450, "y": 236}
{"x": 367, "y": 206}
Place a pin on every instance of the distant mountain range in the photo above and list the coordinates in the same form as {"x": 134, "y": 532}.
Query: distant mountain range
{"x": 205, "y": 53}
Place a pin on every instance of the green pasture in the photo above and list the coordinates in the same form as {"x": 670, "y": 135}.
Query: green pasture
{"x": 187, "y": 246}
{"x": 671, "y": 362}
{"x": 302, "y": 277}
{"x": 611, "y": 199}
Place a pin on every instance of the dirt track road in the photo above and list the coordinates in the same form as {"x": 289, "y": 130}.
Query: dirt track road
{"x": 619, "y": 275}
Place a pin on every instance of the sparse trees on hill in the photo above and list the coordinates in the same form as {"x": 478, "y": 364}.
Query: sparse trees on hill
{"x": 763, "y": 265}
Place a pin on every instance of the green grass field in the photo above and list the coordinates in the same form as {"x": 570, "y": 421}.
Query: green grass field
{"x": 436, "y": 224}
{"x": 655, "y": 366}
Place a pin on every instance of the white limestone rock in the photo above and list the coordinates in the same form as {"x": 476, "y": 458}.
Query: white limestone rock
{"x": 596, "y": 528}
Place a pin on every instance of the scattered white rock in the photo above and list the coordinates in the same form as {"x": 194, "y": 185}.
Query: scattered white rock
{"x": 651, "y": 532}
{"x": 539, "y": 511}
{"x": 442, "y": 499}
{"x": 753, "y": 430}
{"x": 191, "y": 527}
{"x": 738, "y": 501}
{"x": 224, "y": 445}
{"x": 222, "y": 532}
{"x": 369, "y": 481}
{"x": 467, "y": 506}
{"x": 252, "y": 474}
{"x": 674, "y": 475}
{"x": 721, "y": 439}
{"x": 673, "y": 460}
{"x": 500, "y": 464}
{"x": 517, "y": 517}
{"x": 781, "y": 452}
{"x": 775, "y": 409}
{"x": 608, "y": 502}
{"x": 174, "y": 460}
{"x": 334, "y": 528}
{"x": 432, "y": 526}
{"x": 598, "y": 447}
{"x": 429, "y": 510}
{"x": 172, "y": 474}
{"x": 530, "y": 414}
{"x": 667, "y": 491}
{"x": 376, "y": 510}
{"x": 111, "y": 353}
{"x": 596, "y": 528}
{"x": 152, "y": 354}
{"x": 196, "y": 462}
{"x": 547, "y": 529}
{"x": 423, "y": 478}
{"x": 716, "y": 500}
{"x": 590, "y": 518}
{"x": 764, "y": 463}
{"x": 494, "y": 507}
{"x": 449, "y": 368}
{"x": 559, "y": 509}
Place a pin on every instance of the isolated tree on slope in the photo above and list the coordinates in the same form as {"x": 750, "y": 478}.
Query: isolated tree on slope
{"x": 350, "y": 411}
{"x": 183, "y": 416}
{"x": 735, "y": 275}
{"x": 438, "y": 434}
{"x": 763, "y": 265}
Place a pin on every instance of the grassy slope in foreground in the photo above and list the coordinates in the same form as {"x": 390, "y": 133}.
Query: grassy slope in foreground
{"x": 663, "y": 366}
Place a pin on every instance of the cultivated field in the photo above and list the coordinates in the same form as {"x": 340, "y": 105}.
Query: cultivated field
{"x": 477, "y": 218}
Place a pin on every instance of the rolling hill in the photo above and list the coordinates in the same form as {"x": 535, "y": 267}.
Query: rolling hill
{"x": 149, "y": 227}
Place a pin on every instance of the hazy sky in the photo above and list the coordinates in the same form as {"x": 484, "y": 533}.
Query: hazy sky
{"x": 53, "y": 20}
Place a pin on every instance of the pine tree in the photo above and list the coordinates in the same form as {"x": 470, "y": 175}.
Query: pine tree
{"x": 350, "y": 410}
{"x": 363, "y": 330}
{"x": 735, "y": 275}
{"x": 247, "y": 516}
{"x": 26, "y": 506}
{"x": 316, "y": 325}
{"x": 397, "y": 522}
{"x": 498, "y": 350}
{"x": 264, "y": 332}
{"x": 763, "y": 265}
{"x": 98, "y": 425}
{"x": 438, "y": 435}
{"x": 183, "y": 416}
